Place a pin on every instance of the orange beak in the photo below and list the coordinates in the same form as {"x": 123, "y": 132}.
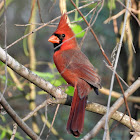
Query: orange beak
{"x": 54, "y": 39}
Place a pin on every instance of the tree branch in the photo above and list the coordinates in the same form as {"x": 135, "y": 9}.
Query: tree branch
{"x": 114, "y": 107}
{"x": 17, "y": 119}
{"x": 31, "y": 76}
{"x": 46, "y": 24}
{"x": 115, "y": 94}
{"x": 96, "y": 108}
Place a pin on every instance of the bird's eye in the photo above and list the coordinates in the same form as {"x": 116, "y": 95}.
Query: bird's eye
{"x": 63, "y": 35}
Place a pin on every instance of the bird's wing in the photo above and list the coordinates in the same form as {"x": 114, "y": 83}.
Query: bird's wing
{"x": 81, "y": 66}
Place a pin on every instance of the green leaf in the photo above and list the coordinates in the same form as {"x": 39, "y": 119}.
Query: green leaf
{"x": 3, "y": 134}
{"x": 8, "y": 132}
{"x": 111, "y": 4}
{"x": 80, "y": 18}
{"x": 49, "y": 75}
{"x": 77, "y": 29}
{"x": 3, "y": 118}
{"x": 56, "y": 82}
{"x": 1, "y": 63}
{"x": 70, "y": 90}
{"x": 44, "y": 74}
{"x": 3, "y": 79}
{"x": 41, "y": 92}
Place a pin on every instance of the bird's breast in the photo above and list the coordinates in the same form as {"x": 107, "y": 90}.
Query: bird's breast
{"x": 63, "y": 64}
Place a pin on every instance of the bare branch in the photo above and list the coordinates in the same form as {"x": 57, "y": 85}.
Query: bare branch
{"x": 5, "y": 46}
{"x": 53, "y": 121}
{"x": 14, "y": 131}
{"x": 46, "y": 24}
{"x": 30, "y": 76}
{"x": 17, "y": 119}
{"x": 115, "y": 16}
{"x": 113, "y": 75}
{"x": 115, "y": 94}
{"x": 100, "y": 109}
{"x": 127, "y": 8}
{"x": 29, "y": 24}
{"x": 122, "y": 12}
{"x": 38, "y": 4}
{"x": 114, "y": 107}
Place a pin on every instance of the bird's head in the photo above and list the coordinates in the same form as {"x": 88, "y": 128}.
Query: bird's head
{"x": 63, "y": 36}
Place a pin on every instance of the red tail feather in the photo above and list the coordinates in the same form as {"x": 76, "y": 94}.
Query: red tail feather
{"x": 75, "y": 122}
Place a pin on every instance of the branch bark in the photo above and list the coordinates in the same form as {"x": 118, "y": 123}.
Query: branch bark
{"x": 95, "y": 108}
{"x": 17, "y": 119}
{"x": 115, "y": 94}
{"x": 114, "y": 107}
{"x": 31, "y": 76}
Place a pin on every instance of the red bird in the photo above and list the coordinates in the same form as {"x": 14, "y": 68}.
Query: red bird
{"x": 77, "y": 70}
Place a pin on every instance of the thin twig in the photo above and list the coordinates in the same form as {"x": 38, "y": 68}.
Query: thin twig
{"x": 53, "y": 121}
{"x": 115, "y": 94}
{"x": 93, "y": 9}
{"x": 38, "y": 3}
{"x": 118, "y": 122}
{"x": 54, "y": 2}
{"x": 46, "y": 24}
{"x": 88, "y": 28}
{"x": 35, "y": 110}
{"x": 17, "y": 119}
{"x": 88, "y": 23}
{"x": 14, "y": 131}
{"x": 120, "y": 13}
{"x": 113, "y": 108}
{"x": 53, "y": 130}
{"x": 43, "y": 128}
{"x": 29, "y": 24}
{"x": 115, "y": 16}
{"x": 113, "y": 75}
{"x": 5, "y": 46}
{"x": 127, "y": 8}
{"x": 112, "y": 69}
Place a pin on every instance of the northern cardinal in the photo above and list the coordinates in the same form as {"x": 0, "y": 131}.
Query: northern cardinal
{"x": 77, "y": 70}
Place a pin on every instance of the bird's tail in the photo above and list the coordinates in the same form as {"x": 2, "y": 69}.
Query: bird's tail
{"x": 75, "y": 122}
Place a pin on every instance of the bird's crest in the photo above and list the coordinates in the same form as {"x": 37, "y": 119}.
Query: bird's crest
{"x": 63, "y": 21}
{"x": 64, "y": 27}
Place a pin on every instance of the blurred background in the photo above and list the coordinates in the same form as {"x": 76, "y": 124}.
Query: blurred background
{"x": 36, "y": 53}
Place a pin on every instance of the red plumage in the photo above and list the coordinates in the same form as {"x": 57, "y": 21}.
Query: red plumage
{"x": 77, "y": 70}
